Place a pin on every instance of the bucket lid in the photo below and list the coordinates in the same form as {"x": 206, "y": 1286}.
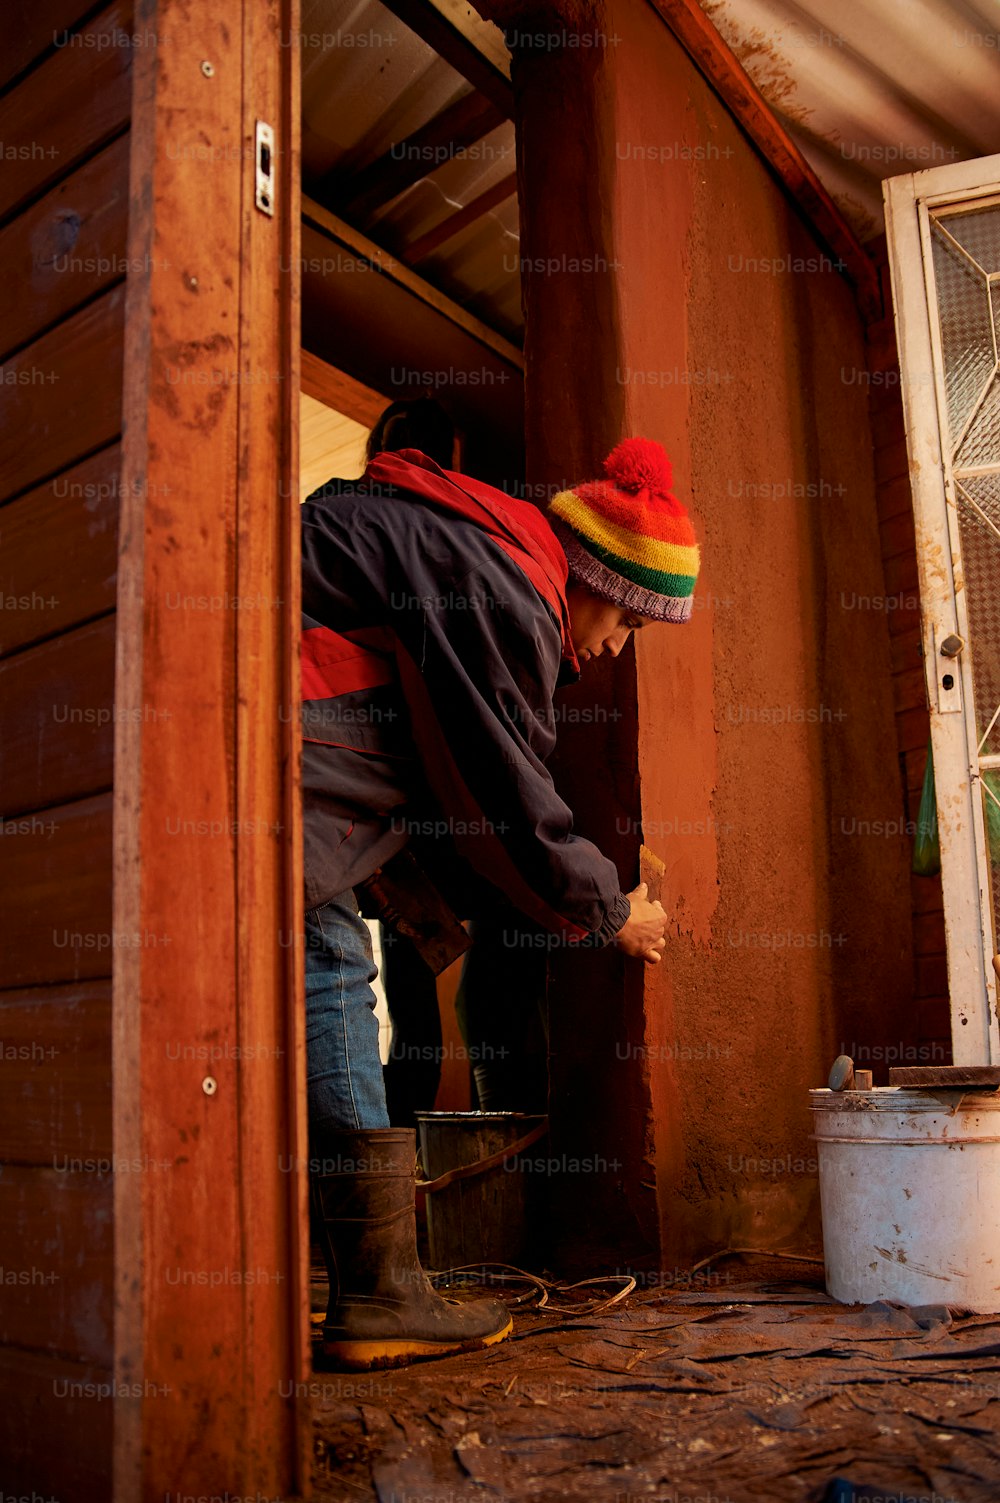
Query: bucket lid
{"x": 903, "y": 1099}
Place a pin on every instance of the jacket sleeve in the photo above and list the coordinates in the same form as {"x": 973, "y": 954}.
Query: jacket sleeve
{"x": 478, "y": 665}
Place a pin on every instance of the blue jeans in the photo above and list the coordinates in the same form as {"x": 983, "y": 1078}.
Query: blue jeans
{"x": 343, "y": 1067}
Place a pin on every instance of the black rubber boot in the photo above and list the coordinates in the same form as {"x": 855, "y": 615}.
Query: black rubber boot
{"x": 383, "y": 1311}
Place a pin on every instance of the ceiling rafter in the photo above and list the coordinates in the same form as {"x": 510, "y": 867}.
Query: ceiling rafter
{"x": 455, "y": 223}
{"x": 472, "y": 48}
{"x": 453, "y": 130}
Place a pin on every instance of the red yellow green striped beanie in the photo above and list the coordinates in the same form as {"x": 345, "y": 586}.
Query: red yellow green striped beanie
{"x": 627, "y": 537}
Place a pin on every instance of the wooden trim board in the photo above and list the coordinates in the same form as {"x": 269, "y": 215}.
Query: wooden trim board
{"x": 208, "y": 1052}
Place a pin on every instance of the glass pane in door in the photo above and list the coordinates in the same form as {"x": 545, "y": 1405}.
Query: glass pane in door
{"x": 966, "y": 253}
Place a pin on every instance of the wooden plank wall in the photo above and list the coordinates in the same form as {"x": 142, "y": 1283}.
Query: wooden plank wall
{"x": 932, "y": 1031}
{"x": 65, "y": 105}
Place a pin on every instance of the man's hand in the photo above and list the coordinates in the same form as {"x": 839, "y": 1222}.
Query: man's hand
{"x": 642, "y": 933}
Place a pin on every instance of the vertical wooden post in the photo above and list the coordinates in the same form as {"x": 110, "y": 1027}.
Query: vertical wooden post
{"x": 211, "y": 1276}
{"x": 575, "y": 412}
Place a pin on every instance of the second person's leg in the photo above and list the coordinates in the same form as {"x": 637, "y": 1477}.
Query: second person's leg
{"x": 344, "y": 1070}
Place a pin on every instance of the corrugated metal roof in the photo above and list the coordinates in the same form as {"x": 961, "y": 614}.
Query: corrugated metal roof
{"x": 368, "y": 83}
{"x": 869, "y": 89}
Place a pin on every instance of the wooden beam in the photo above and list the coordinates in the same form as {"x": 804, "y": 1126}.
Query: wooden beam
{"x": 388, "y": 266}
{"x": 269, "y": 889}
{"x": 740, "y": 94}
{"x": 208, "y": 1021}
{"x": 456, "y": 223}
{"x": 482, "y": 34}
{"x": 340, "y": 391}
{"x": 458, "y": 126}
{"x": 473, "y": 47}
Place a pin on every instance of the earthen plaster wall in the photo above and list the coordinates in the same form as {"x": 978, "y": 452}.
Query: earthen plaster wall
{"x": 754, "y": 748}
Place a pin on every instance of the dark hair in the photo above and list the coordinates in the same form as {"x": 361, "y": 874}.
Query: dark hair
{"x": 422, "y": 424}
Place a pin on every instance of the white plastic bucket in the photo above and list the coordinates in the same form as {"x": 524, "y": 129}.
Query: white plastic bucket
{"x": 910, "y": 1196}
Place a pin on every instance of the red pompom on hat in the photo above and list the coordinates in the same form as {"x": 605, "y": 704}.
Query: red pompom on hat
{"x": 640, "y": 464}
{"x": 627, "y": 537}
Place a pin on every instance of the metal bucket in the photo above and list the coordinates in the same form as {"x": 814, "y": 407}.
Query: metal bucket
{"x": 910, "y": 1195}
{"x": 480, "y": 1216}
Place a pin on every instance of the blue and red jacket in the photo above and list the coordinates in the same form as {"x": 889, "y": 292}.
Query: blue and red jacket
{"x": 435, "y": 631}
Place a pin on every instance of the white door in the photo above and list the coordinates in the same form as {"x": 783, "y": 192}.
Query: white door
{"x": 944, "y": 251}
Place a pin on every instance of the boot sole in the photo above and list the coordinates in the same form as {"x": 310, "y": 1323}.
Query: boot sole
{"x": 362, "y": 1356}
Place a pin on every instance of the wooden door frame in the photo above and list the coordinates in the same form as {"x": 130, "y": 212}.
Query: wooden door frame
{"x": 972, "y": 984}
{"x": 211, "y": 1241}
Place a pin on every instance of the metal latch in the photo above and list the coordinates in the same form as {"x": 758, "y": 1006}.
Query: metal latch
{"x": 947, "y": 675}
{"x": 264, "y": 156}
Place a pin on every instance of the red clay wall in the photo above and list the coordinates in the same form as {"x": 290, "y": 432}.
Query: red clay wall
{"x": 757, "y": 744}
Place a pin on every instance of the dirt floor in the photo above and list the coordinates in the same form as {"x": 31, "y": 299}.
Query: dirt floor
{"x": 747, "y": 1383}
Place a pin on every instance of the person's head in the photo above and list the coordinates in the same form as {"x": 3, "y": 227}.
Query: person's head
{"x": 599, "y": 626}
{"x": 421, "y": 424}
{"x": 632, "y": 554}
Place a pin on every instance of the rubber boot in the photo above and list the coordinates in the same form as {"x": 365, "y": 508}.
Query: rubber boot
{"x": 383, "y": 1311}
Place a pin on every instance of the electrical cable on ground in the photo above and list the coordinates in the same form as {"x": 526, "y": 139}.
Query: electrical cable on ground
{"x": 540, "y": 1289}
{"x": 760, "y": 1252}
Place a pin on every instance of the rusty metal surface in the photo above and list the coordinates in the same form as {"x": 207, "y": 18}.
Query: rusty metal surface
{"x": 748, "y": 1384}
{"x": 874, "y": 88}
